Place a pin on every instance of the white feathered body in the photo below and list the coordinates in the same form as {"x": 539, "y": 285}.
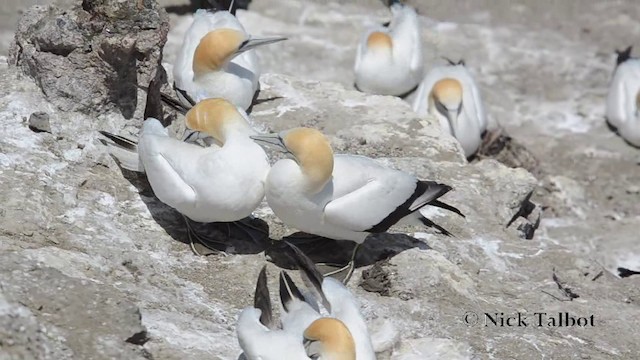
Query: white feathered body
{"x": 360, "y": 194}
{"x": 344, "y": 307}
{"x": 206, "y": 184}
{"x": 622, "y": 101}
{"x": 472, "y": 121}
{"x": 237, "y": 82}
{"x": 261, "y": 343}
{"x": 400, "y": 72}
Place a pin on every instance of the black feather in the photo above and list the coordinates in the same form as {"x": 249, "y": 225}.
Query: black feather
{"x": 288, "y": 290}
{"x": 262, "y": 300}
{"x": 623, "y": 273}
{"x": 405, "y": 208}
{"x": 440, "y": 204}
{"x": 309, "y": 272}
{"x": 174, "y": 104}
{"x": 452, "y": 63}
{"x": 153, "y": 106}
{"x": 623, "y": 55}
{"x": 184, "y": 94}
{"x": 430, "y": 223}
{"x": 121, "y": 141}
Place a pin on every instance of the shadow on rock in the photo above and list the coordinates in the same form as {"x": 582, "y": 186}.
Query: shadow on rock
{"x": 376, "y": 248}
{"x": 250, "y": 238}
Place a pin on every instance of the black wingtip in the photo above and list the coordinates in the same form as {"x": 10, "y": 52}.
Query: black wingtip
{"x": 623, "y": 273}
{"x": 288, "y": 290}
{"x": 262, "y": 300}
{"x": 173, "y": 103}
{"x": 453, "y": 63}
{"x": 430, "y": 223}
{"x": 442, "y": 205}
{"x": 153, "y": 105}
{"x": 623, "y": 55}
{"x": 119, "y": 140}
{"x": 309, "y": 271}
{"x": 307, "y": 266}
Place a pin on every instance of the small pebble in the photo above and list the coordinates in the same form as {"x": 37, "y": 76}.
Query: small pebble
{"x": 39, "y": 122}
{"x": 633, "y": 189}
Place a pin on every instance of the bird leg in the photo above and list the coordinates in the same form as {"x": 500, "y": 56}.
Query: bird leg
{"x": 192, "y": 234}
{"x": 350, "y": 267}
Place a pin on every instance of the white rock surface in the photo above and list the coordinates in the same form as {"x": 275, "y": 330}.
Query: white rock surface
{"x": 68, "y": 212}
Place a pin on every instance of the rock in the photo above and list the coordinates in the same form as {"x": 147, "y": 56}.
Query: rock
{"x": 634, "y": 189}
{"x": 92, "y": 57}
{"x": 24, "y": 337}
{"x": 78, "y": 213}
{"x": 430, "y": 348}
{"x": 39, "y": 122}
{"x": 63, "y": 308}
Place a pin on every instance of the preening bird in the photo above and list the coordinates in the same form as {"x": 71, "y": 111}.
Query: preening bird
{"x": 389, "y": 59}
{"x": 330, "y": 298}
{"x": 261, "y": 339}
{"x": 623, "y": 100}
{"x": 217, "y": 60}
{"x": 451, "y": 95}
{"x": 342, "y": 197}
{"x": 222, "y": 183}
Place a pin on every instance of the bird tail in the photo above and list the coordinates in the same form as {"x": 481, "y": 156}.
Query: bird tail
{"x": 173, "y": 103}
{"x": 310, "y": 274}
{"x": 262, "y": 300}
{"x": 623, "y": 55}
{"x": 289, "y": 292}
{"x": 431, "y": 192}
{"x": 124, "y": 150}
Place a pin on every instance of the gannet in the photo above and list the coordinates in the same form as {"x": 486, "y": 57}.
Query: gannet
{"x": 450, "y": 94}
{"x": 261, "y": 339}
{"x": 623, "y": 100}
{"x": 222, "y": 183}
{"x": 216, "y": 60}
{"x": 342, "y": 197}
{"x": 338, "y": 302}
{"x": 389, "y": 59}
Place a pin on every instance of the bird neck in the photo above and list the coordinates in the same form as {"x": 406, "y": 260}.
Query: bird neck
{"x": 236, "y": 134}
{"x": 316, "y": 173}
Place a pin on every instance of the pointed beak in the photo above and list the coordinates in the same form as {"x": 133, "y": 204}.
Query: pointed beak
{"x": 273, "y": 141}
{"x": 452, "y": 116}
{"x": 312, "y": 348}
{"x": 255, "y": 42}
{"x": 190, "y": 135}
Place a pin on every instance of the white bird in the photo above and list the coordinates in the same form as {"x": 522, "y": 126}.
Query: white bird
{"x": 451, "y": 95}
{"x": 261, "y": 339}
{"x": 338, "y": 302}
{"x": 342, "y": 197}
{"x": 217, "y": 60}
{"x": 206, "y": 184}
{"x": 389, "y": 59}
{"x": 623, "y": 100}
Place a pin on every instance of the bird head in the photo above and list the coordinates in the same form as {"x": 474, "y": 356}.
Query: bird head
{"x": 379, "y": 41}
{"x": 309, "y": 148}
{"x": 216, "y": 117}
{"x": 330, "y": 339}
{"x": 219, "y": 46}
{"x": 446, "y": 99}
